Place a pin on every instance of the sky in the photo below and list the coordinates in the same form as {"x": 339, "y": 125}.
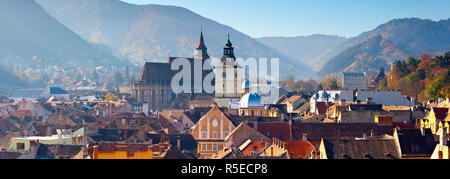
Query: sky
{"x": 347, "y": 18}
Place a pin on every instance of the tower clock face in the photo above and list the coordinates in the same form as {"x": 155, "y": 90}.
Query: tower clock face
{"x": 215, "y": 122}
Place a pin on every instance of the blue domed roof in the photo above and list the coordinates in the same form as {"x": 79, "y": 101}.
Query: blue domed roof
{"x": 246, "y": 84}
{"x": 251, "y": 100}
{"x": 325, "y": 94}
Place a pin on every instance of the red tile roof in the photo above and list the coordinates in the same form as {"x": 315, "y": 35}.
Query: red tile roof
{"x": 279, "y": 130}
{"x": 258, "y": 145}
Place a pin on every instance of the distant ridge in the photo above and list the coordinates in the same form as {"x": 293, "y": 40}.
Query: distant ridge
{"x": 142, "y": 33}
{"x": 311, "y": 50}
{"x": 396, "y": 40}
{"x": 35, "y": 33}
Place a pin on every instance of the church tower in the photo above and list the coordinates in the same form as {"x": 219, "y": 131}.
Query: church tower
{"x": 224, "y": 78}
{"x": 201, "y": 52}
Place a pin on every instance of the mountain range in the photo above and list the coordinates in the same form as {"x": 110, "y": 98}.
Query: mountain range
{"x": 112, "y": 32}
{"x": 369, "y": 51}
{"x": 27, "y": 31}
{"x": 142, "y": 33}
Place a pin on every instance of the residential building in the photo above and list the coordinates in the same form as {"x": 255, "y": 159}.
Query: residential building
{"x": 414, "y": 143}
{"x": 64, "y": 136}
{"x": 353, "y": 81}
{"x": 210, "y": 132}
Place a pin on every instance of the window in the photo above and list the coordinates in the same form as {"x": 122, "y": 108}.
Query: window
{"x": 20, "y": 146}
{"x": 281, "y": 135}
{"x": 226, "y": 134}
{"x": 215, "y": 147}
{"x": 214, "y": 134}
{"x": 203, "y": 135}
{"x": 268, "y": 133}
{"x": 204, "y": 147}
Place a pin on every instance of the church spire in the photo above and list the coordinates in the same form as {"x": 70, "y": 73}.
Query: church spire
{"x": 201, "y": 44}
{"x": 201, "y": 52}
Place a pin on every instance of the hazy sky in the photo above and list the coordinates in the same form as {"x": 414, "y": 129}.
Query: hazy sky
{"x": 348, "y": 18}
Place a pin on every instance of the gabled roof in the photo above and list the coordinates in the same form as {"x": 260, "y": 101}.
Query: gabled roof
{"x": 300, "y": 149}
{"x": 440, "y": 113}
{"x": 361, "y": 149}
{"x": 155, "y": 71}
{"x": 412, "y": 142}
{"x": 333, "y": 131}
{"x": 242, "y": 133}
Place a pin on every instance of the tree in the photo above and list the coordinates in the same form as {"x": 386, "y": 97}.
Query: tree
{"x": 290, "y": 82}
{"x": 439, "y": 88}
{"x": 111, "y": 97}
{"x": 330, "y": 83}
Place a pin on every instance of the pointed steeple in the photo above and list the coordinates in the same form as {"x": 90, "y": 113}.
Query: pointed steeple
{"x": 201, "y": 43}
{"x": 201, "y": 52}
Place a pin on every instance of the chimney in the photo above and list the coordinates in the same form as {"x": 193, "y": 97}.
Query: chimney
{"x": 179, "y": 142}
{"x": 95, "y": 152}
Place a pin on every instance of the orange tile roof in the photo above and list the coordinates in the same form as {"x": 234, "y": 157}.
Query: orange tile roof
{"x": 258, "y": 145}
{"x": 300, "y": 149}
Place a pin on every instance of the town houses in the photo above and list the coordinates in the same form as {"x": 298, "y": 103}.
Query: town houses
{"x": 152, "y": 121}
